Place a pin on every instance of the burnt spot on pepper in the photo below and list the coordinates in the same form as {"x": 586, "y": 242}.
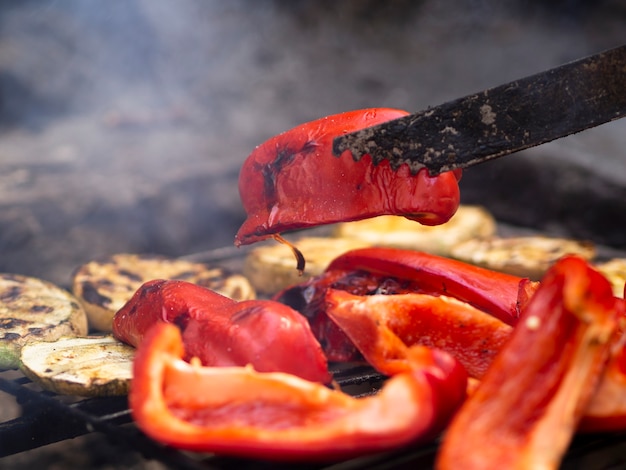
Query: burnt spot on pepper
{"x": 91, "y": 295}
{"x": 181, "y": 321}
{"x": 151, "y": 288}
{"x": 246, "y": 312}
{"x": 284, "y": 156}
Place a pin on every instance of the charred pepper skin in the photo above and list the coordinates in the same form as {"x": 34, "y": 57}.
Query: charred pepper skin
{"x": 499, "y": 294}
{"x": 293, "y": 181}
{"x": 371, "y": 271}
{"x": 277, "y": 416}
{"x": 222, "y": 332}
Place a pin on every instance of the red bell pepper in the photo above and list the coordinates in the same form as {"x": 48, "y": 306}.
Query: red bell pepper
{"x": 308, "y": 298}
{"x": 607, "y": 409}
{"x": 370, "y": 271}
{"x": 222, "y": 332}
{"x": 294, "y": 181}
{"x": 160, "y": 300}
{"x": 379, "y": 325}
{"x": 277, "y": 416}
{"x": 501, "y": 295}
{"x": 529, "y": 403}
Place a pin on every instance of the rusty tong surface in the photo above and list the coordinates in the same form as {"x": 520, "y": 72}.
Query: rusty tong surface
{"x": 500, "y": 120}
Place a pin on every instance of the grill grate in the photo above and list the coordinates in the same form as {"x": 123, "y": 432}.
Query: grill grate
{"x": 47, "y": 418}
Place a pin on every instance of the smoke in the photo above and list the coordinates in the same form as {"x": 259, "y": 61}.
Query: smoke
{"x": 123, "y": 123}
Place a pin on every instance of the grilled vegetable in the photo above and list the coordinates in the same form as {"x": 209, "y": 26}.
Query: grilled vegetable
{"x": 270, "y": 268}
{"x": 219, "y": 331}
{"x": 468, "y": 223}
{"x": 89, "y": 366}
{"x": 105, "y": 285}
{"x": 377, "y": 270}
{"x": 294, "y": 181}
{"x": 615, "y": 271}
{"x": 529, "y": 256}
{"x": 501, "y": 295}
{"x": 529, "y": 403}
{"x": 277, "y": 416}
{"x": 379, "y": 324}
{"x": 34, "y": 310}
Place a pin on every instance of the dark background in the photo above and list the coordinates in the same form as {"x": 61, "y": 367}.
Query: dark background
{"x": 123, "y": 123}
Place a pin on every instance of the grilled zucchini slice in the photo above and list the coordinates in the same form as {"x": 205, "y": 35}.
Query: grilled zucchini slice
{"x": 527, "y": 256}
{"x": 469, "y": 222}
{"x": 32, "y": 309}
{"x": 94, "y": 366}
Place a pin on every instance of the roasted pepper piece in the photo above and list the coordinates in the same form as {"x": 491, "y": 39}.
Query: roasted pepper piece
{"x": 376, "y": 324}
{"x": 293, "y": 181}
{"x": 270, "y": 336}
{"x": 308, "y": 298}
{"x": 528, "y": 405}
{"x": 607, "y": 410}
{"x": 373, "y": 271}
{"x": 237, "y": 411}
{"x": 157, "y": 300}
{"x": 501, "y": 295}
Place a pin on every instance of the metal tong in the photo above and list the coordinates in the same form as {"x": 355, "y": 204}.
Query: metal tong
{"x": 500, "y": 120}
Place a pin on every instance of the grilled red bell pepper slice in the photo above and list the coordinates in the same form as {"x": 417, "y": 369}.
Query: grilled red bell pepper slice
{"x": 499, "y": 294}
{"x": 222, "y": 332}
{"x": 607, "y": 409}
{"x": 379, "y": 324}
{"x": 158, "y": 300}
{"x": 277, "y": 416}
{"x": 293, "y": 181}
{"x": 394, "y": 271}
{"x": 528, "y": 405}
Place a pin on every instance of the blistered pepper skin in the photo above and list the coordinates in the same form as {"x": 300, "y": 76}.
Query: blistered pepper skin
{"x": 294, "y": 181}
{"x": 499, "y": 294}
{"x": 376, "y": 270}
{"x": 155, "y": 301}
{"x": 222, "y": 332}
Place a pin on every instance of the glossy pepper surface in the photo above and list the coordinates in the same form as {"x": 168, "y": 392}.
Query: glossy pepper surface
{"x": 268, "y": 335}
{"x": 607, "y": 410}
{"x": 277, "y": 416}
{"x": 379, "y": 325}
{"x": 294, "y": 181}
{"x": 372, "y": 271}
{"x": 527, "y": 407}
{"x": 499, "y": 294}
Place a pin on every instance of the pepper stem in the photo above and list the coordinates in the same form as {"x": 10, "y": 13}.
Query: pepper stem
{"x": 300, "y": 261}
